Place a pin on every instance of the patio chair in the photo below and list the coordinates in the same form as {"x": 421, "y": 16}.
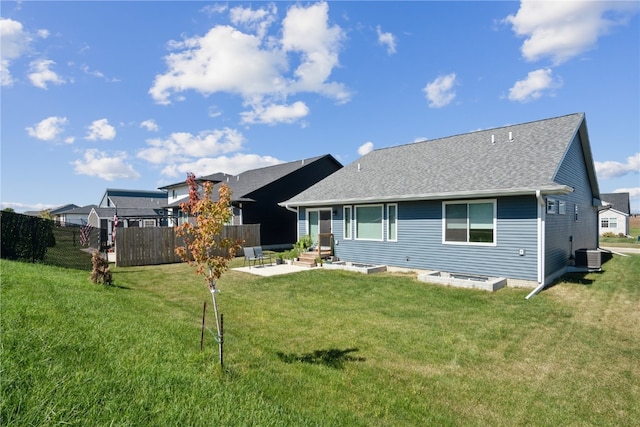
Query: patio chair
{"x": 250, "y": 256}
{"x": 261, "y": 256}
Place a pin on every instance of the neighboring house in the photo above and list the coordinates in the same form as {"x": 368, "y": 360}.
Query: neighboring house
{"x": 71, "y": 214}
{"x": 256, "y": 195}
{"x": 131, "y": 208}
{"x": 57, "y": 214}
{"x": 614, "y": 218}
{"x": 178, "y": 193}
{"x": 513, "y": 202}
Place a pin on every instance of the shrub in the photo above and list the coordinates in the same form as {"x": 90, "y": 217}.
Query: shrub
{"x": 101, "y": 272}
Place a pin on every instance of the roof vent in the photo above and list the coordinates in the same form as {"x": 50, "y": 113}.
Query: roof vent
{"x": 359, "y": 167}
{"x": 227, "y": 179}
{"x": 238, "y": 178}
{"x": 493, "y": 139}
{"x": 510, "y": 136}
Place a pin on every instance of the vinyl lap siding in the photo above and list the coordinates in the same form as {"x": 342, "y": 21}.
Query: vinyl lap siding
{"x": 419, "y": 244}
{"x": 563, "y": 233}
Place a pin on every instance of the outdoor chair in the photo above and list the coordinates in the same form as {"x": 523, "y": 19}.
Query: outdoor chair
{"x": 261, "y": 256}
{"x": 250, "y": 256}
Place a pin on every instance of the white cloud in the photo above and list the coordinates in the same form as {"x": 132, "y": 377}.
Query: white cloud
{"x": 100, "y": 164}
{"x": 440, "y": 92}
{"x": 41, "y": 73}
{"x": 562, "y": 30}
{"x": 14, "y": 42}
{"x": 101, "y": 129}
{"x": 231, "y": 165}
{"x": 611, "y": 169}
{"x": 273, "y": 114}
{"x": 365, "y": 148}
{"x": 183, "y": 146}
{"x": 48, "y": 129}
{"x": 307, "y": 31}
{"x": 534, "y": 86}
{"x": 254, "y": 65}
{"x": 223, "y": 60}
{"x": 85, "y": 68}
{"x": 149, "y": 125}
{"x": 387, "y": 39}
{"x": 23, "y": 207}
{"x": 257, "y": 20}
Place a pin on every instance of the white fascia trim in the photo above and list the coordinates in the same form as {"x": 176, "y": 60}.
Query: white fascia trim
{"x": 556, "y": 189}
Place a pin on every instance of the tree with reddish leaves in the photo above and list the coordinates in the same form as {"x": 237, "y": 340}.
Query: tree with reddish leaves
{"x": 204, "y": 246}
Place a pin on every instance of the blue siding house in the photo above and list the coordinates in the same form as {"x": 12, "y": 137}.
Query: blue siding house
{"x": 513, "y": 202}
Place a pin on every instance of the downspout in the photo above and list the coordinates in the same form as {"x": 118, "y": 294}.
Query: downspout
{"x": 295, "y": 210}
{"x": 541, "y": 240}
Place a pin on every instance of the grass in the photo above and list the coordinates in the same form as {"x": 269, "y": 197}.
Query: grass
{"x": 322, "y": 347}
{"x": 67, "y": 251}
{"x": 630, "y": 242}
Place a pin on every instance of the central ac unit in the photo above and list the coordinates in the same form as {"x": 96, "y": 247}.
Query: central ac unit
{"x": 589, "y": 258}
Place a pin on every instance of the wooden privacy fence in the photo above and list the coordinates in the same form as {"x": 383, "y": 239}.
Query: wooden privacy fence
{"x": 156, "y": 245}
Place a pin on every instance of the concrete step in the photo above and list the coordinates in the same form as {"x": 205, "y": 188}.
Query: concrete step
{"x": 304, "y": 264}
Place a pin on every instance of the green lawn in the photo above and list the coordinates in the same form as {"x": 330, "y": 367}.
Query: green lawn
{"x": 317, "y": 348}
{"x": 629, "y": 242}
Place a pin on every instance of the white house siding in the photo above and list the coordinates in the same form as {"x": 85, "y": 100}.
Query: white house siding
{"x": 621, "y": 222}
{"x": 94, "y": 219}
{"x": 564, "y": 234}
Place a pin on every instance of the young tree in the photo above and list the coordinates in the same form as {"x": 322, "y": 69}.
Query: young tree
{"x": 204, "y": 246}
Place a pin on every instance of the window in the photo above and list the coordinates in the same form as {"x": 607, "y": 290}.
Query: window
{"x": 562, "y": 208}
{"x": 471, "y": 222}
{"x": 551, "y": 206}
{"x": 148, "y": 222}
{"x": 609, "y": 222}
{"x": 369, "y": 222}
{"x": 347, "y": 222}
{"x": 392, "y": 222}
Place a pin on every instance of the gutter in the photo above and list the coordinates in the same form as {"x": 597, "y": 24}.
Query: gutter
{"x": 289, "y": 208}
{"x": 541, "y": 231}
{"x": 551, "y": 189}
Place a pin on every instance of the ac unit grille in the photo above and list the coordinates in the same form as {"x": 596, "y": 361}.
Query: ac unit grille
{"x": 589, "y": 258}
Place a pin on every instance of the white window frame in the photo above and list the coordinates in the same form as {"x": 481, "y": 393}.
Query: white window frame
{"x": 148, "y": 223}
{"x": 347, "y": 222}
{"x": 470, "y": 202}
{"x": 551, "y": 206}
{"x": 562, "y": 207}
{"x": 395, "y": 238}
{"x": 355, "y": 222}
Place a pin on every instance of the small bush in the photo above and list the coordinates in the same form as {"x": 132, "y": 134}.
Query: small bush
{"x": 101, "y": 272}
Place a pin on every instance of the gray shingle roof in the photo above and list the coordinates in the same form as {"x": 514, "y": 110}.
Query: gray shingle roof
{"x": 618, "y": 201}
{"x": 244, "y": 184}
{"x": 464, "y": 165}
{"x": 83, "y": 210}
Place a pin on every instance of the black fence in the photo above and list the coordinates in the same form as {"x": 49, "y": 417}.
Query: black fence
{"x": 39, "y": 240}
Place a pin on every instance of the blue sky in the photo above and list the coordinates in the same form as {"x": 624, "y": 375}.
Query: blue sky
{"x": 134, "y": 95}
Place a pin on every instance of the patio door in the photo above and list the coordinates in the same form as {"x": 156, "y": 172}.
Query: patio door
{"x": 319, "y": 223}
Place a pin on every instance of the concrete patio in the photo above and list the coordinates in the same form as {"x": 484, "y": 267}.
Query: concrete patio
{"x": 272, "y": 269}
